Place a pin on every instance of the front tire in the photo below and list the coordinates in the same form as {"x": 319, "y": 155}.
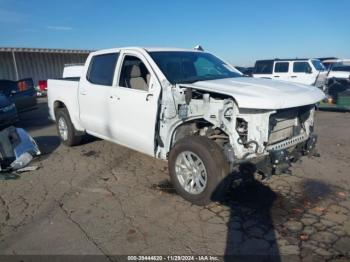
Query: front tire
{"x": 197, "y": 167}
{"x": 65, "y": 128}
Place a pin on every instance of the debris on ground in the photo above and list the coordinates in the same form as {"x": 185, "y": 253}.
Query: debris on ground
{"x": 17, "y": 150}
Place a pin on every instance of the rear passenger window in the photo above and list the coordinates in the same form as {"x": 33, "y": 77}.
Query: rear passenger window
{"x": 301, "y": 67}
{"x": 263, "y": 67}
{"x": 101, "y": 69}
{"x": 281, "y": 67}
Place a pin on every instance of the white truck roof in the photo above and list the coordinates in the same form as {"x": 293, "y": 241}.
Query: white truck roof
{"x": 147, "y": 49}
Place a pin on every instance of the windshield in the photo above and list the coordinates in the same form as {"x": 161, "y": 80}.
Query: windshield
{"x": 189, "y": 67}
{"x": 318, "y": 65}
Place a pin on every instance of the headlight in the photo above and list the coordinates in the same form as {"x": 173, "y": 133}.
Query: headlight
{"x": 8, "y": 108}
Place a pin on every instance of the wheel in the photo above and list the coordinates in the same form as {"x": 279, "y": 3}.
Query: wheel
{"x": 197, "y": 168}
{"x": 65, "y": 128}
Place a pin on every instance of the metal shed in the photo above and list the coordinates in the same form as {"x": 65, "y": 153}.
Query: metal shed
{"x": 37, "y": 63}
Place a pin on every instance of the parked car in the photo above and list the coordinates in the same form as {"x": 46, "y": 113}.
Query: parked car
{"x": 8, "y": 112}
{"x": 327, "y": 63}
{"x": 21, "y": 92}
{"x": 304, "y": 71}
{"x": 41, "y": 88}
{"x": 338, "y": 84}
{"x": 247, "y": 71}
{"x": 190, "y": 108}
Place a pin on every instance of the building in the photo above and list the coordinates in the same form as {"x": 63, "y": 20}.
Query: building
{"x": 37, "y": 63}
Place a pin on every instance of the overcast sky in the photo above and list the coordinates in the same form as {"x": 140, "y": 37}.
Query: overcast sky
{"x": 237, "y": 31}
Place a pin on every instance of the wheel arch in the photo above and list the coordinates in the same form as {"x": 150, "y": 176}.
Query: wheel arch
{"x": 58, "y": 104}
{"x": 183, "y": 129}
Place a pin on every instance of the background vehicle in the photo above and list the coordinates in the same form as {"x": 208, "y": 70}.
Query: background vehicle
{"x": 187, "y": 107}
{"x": 72, "y": 70}
{"x": 338, "y": 84}
{"x": 304, "y": 71}
{"x": 21, "y": 92}
{"x": 8, "y": 112}
{"x": 247, "y": 71}
{"x": 41, "y": 88}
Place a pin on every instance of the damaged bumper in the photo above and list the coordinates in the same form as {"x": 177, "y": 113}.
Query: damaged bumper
{"x": 17, "y": 149}
{"x": 280, "y": 158}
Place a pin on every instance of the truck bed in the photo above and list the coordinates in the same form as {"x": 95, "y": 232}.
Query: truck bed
{"x": 68, "y": 79}
{"x": 64, "y": 92}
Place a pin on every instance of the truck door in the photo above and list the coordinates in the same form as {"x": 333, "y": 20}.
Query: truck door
{"x": 302, "y": 73}
{"x": 281, "y": 71}
{"x": 133, "y": 104}
{"x": 94, "y": 91}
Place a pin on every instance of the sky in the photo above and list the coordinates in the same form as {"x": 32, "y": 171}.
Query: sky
{"x": 239, "y": 32}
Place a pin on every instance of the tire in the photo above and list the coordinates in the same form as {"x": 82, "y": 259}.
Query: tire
{"x": 216, "y": 167}
{"x": 70, "y": 138}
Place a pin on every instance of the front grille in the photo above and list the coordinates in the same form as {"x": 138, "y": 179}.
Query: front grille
{"x": 286, "y": 123}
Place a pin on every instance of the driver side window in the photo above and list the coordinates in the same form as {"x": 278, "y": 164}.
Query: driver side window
{"x": 134, "y": 74}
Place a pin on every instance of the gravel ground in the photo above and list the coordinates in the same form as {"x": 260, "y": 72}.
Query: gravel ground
{"x": 103, "y": 199}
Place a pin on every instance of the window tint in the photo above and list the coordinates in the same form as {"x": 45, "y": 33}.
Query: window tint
{"x": 101, "y": 69}
{"x": 263, "y": 67}
{"x": 301, "y": 67}
{"x": 281, "y": 67}
{"x": 134, "y": 74}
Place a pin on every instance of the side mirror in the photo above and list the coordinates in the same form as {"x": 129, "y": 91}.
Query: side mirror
{"x": 309, "y": 70}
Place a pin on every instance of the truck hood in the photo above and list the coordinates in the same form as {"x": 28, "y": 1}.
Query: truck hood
{"x": 257, "y": 93}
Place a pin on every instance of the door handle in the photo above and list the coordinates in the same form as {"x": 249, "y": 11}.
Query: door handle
{"x": 277, "y": 76}
{"x": 293, "y": 76}
{"x": 149, "y": 96}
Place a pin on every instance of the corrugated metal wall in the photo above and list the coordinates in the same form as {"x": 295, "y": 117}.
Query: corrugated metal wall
{"x": 37, "y": 65}
{"x": 7, "y": 68}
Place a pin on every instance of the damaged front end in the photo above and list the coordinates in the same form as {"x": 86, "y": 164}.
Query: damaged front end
{"x": 280, "y": 161}
{"x": 290, "y": 137}
{"x": 270, "y": 139}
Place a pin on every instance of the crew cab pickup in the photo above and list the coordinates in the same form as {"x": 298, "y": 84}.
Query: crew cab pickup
{"x": 189, "y": 108}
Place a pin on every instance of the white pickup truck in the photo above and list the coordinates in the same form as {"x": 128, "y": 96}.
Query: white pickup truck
{"x": 187, "y": 107}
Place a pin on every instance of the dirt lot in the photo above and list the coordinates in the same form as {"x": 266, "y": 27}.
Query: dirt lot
{"x": 100, "y": 198}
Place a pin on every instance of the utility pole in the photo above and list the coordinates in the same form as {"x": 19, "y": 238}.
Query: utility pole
{"x": 15, "y": 64}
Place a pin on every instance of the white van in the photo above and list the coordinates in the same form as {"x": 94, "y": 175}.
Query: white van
{"x": 304, "y": 71}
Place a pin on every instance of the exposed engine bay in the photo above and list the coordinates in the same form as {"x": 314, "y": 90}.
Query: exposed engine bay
{"x": 270, "y": 138}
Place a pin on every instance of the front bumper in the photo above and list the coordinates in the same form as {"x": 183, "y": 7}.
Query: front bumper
{"x": 279, "y": 161}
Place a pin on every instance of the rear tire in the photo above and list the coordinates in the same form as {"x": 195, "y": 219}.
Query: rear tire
{"x": 203, "y": 180}
{"x": 65, "y": 128}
